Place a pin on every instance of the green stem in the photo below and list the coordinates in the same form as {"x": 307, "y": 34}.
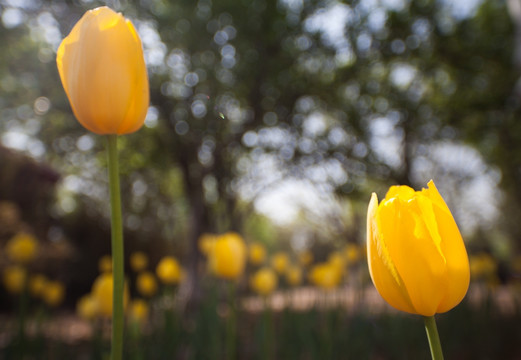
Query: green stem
{"x": 117, "y": 248}
{"x": 230, "y": 336}
{"x": 434, "y": 338}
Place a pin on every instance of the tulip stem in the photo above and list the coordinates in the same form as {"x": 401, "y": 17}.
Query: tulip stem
{"x": 434, "y": 338}
{"x": 117, "y": 248}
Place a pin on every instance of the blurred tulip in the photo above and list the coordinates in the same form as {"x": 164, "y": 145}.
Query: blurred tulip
{"x": 416, "y": 256}
{"x": 14, "y": 279}
{"x": 280, "y": 262}
{"x": 305, "y": 258}
{"x": 37, "y": 284}
{"x": 146, "y": 284}
{"x": 87, "y": 308}
{"x": 105, "y": 264}
{"x": 22, "y": 248}
{"x": 103, "y": 72}
{"x": 264, "y": 281}
{"x": 257, "y": 253}
{"x": 482, "y": 266}
{"x": 169, "y": 271}
{"x": 337, "y": 259}
{"x": 353, "y": 253}
{"x": 206, "y": 243}
{"x": 102, "y": 290}
{"x": 294, "y": 275}
{"x": 138, "y": 311}
{"x": 228, "y": 256}
{"x": 138, "y": 261}
{"x": 53, "y": 293}
{"x": 325, "y": 275}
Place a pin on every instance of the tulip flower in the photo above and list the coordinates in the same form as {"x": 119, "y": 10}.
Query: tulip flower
{"x": 325, "y": 275}
{"x": 138, "y": 261}
{"x": 228, "y": 256}
{"x": 205, "y": 243}
{"x": 87, "y": 307}
{"x": 416, "y": 255}
{"x": 102, "y": 69}
{"x": 264, "y": 281}
{"x": 37, "y": 284}
{"x": 53, "y": 293}
{"x": 280, "y": 262}
{"x": 169, "y": 271}
{"x": 14, "y": 279}
{"x": 138, "y": 311}
{"x": 22, "y": 248}
{"x": 146, "y": 284}
{"x": 294, "y": 275}
{"x": 105, "y": 264}
{"x": 102, "y": 290}
{"x": 256, "y": 253}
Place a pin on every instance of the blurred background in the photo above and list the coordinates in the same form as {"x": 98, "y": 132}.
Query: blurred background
{"x": 274, "y": 119}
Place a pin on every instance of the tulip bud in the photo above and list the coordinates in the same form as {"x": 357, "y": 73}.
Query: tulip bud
{"x": 138, "y": 261}
{"x": 256, "y": 253}
{"x": 103, "y": 72}
{"x": 169, "y": 271}
{"x": 228, "y": 256}
{"x": 416, "y": 256}
{"x": 22, "y": 248}
{"x": 280, "y": 262}
{"x": 53, "y": 293}
{"x": 146, "y": 284}
{"x": 264, "y": 281}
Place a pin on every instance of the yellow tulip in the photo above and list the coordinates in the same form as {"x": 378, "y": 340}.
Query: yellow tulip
{"x": 206, "y": 243}
{"x": 87, "y": 307}
{"x": 264, "y": 281}
{"x": 22, "y": 248}
{"x": 337, "y": 259}
{"x": 294, "y": 275}
{"x": 105, "y": 264}
{"x": 102, "y": 290}
{"x": 103, "y": 72}
{"x": 14, "y": 279}
{"x": 280, "y": 262}
{"x": 325, "y": 275}
{"x": 256, "y": 253}
{"x": 228, "y": 256}
{"x": 352, "y": 253}
{"x": 416, "y": 256}
{"x": 138, "y": 310}
{"x": 53, "y": 293}
{"x": 146, "y": 284}
{"x": 169, "y": 271}
{"x": 138, "y": 261}
{"x": 37, "y": 284}
{"x": 305, "y": 258}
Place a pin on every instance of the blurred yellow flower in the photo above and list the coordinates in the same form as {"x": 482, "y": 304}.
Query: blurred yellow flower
{"x": 138, "y": 311}
{"x": 37, "y": 284}
{"x": 353, "y": 253}
{"x": 264, "y": 281}
{"x": 257, "y": 253}
{"x": 53, "y": 293}
{"x": 280, "y": 262}
{"x": 14, "y": 279}
{"x": 87, "y": 307}
{"x": 138, "y": 261}
{"x": 305, "y": 258}
{"x": 103, "y": 72}
{"x": 206, "y": 242}
{"x": 337, "y": 259}
{"x": 22, "y": 248}
{"x": 146, "y": 284}
{"x": 169, "y": 271}
{"x": 294, "y": 275}
{"x": 416, "y": 256}
{"x": 102, "y": 291}
{"x": 228, "y": 256}
{"x": 105, "y": 264}
{"x": 325, "y": 275}
{"x": 482, "y": 266}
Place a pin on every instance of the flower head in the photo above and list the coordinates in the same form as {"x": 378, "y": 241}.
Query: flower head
{"x": 138, "y": 261}
{"x": 228, "y": 256}
{"x": 22, "y": 248}
{"x": 169, "y": 271}
{"x": 416, "y": 256}
{"x": 264, "y": 281}
{"x": 146, "y": 284}
{"x": 103, "y": 72}
{"x": 256, "y": 253}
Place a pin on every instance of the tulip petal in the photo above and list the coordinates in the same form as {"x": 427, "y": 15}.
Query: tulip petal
{"x": 381, "y": 268}
{"x": 415, "y": 255}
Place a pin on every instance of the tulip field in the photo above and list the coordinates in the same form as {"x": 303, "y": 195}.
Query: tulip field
{"x": 260, "y": 180}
